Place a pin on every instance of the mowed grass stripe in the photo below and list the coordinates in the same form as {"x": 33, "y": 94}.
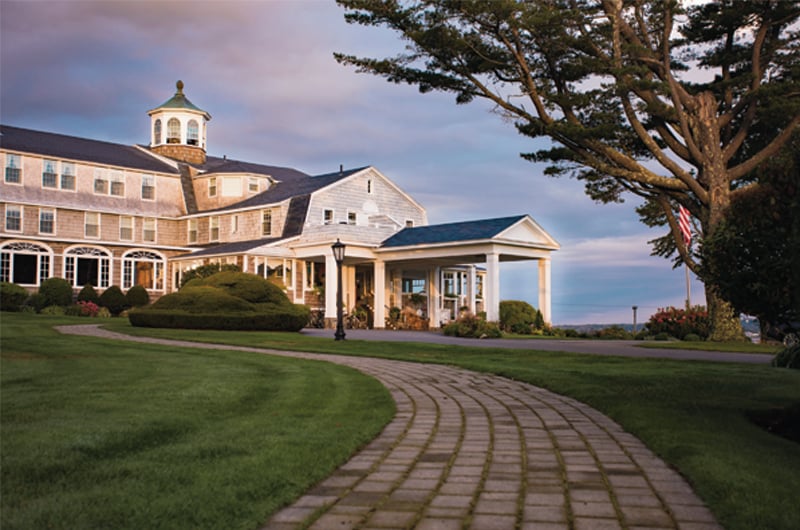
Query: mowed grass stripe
{"x": 106, "y": 434}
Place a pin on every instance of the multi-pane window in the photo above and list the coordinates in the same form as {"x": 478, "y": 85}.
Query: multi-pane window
{"x": 118, "y": 183}
{"x": 49, "y": 174}
{"x": 192, "y": 231}
{"x": 13, "y": 218}
{"x": 100, "y": 181}
{"x": 148, "y": 187}
{"x": 157, "y": 132}
{"x": 140, "y": 267}
{"x": 126, "y": 228}
{"x": 24, "y": 263}
{"x": 351, "y": 218}
{"x": 327, "y": 216}
{"x": 212, "y": 187}
{"x": 13, "y": 169}
{"x": 67, "y": 176}
{"x": 173, "y": 131}
{"x": 84, "y": 265}
{"x": 252, "y": 184}
{"x": 213, "y": 228}
{"x": 91, "y": 224}
{"x": 149, "y": 229}
{"x": 266, "y": 223}
{"x": 192, "y": 133}
{"x": 47, "y": 221}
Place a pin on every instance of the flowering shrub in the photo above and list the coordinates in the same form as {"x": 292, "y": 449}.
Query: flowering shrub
{"x": 87, "y": 309}
{"x": 679, "y": 323}
{"x": 469, "y": 325}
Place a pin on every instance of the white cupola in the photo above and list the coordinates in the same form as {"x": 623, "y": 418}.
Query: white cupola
{"x": 178, "y": 129}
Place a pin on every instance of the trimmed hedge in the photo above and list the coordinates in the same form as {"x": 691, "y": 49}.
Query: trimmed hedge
{"x": 517, "y": 316}
{"x": 278, "y": 319}
{"x": 137, "y": 296}
{"x": 250, "y": 287}
{"x": 114, "y": 300}
{"x": 202, "y": 299}
{"x": 56, "y": 291}
{"x": 88, "y": 294}
{"x": 12, "y": 296}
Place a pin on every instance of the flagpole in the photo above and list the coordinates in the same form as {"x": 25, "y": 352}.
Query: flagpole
{"x": 684, "y": 224}
{"x": 688, "y": 289}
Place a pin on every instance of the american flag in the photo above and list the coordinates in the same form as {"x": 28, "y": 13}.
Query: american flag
{"x": 684, "y": 225}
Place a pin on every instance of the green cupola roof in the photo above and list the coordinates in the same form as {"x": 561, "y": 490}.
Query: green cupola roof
{"x": 180, "y": 101}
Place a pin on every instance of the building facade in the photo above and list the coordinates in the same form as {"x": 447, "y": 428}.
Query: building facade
{"x": 109, "y": 214}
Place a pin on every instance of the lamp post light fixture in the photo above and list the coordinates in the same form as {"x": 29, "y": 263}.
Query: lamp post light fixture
{"x": 338, "y": 255}
{"x": 634, "y": 318}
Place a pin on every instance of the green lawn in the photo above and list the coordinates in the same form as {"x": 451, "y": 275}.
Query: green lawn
{"x": 106, "y": 434}
{"x": 693, "y": 414}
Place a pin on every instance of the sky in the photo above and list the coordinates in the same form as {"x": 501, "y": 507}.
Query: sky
{"x": 264, "y": 70}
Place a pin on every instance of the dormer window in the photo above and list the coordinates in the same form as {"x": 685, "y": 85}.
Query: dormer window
{"x": 192, "y": 133}
{"x": 157, "y": 132}
{"x": 173, "y": 131}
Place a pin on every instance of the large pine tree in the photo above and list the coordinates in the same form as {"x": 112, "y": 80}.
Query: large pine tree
{"x": 649, "y": 98}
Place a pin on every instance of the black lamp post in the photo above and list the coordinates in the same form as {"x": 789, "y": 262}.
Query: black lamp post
{"x": 338, "y": 255}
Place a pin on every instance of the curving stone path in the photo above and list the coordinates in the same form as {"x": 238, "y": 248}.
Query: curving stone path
{"x": 475, "y": 451}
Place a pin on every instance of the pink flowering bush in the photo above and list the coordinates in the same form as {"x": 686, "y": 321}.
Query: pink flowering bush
{"x": 88, "y": 309}
{"x": 679, "y": 323}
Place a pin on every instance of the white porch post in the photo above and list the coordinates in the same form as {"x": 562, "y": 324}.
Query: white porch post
{"x": 379, "y": 320}
{"x": 491, "y": 294}
{"x": 544, "y": 289}
{"x": 472, "y": 288}
{"x": 330, "y": 286}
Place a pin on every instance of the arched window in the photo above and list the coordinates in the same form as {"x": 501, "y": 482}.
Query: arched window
{"x": 84, "y": 265}
{"x": 145, "y": 268}
{"x": 173, "y": 131}
{"x": 25, "y": 263}
{"x": 157, "y": 132}
{"x": 192, "y": 133}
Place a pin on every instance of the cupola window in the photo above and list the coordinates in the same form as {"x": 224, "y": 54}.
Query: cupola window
{"x": 192, "y": 133}
{"x": 157, "y": 132}
{"x": 173, "y": 131}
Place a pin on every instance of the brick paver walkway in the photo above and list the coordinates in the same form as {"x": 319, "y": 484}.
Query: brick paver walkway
{"x": 482, "y": 452}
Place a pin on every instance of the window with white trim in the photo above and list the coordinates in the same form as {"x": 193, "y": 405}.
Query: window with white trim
{"x": 266, "y": 223}
{"x": 25, "y": 263}
{"x": 173, "y": 131}
{"x": 100, "y": 181}
{"x": 327, "y": 216}
{"x": 126, "y": 228}
{"x": 369, "y": 186}
{"x": 13, "y": 169}
{"x": 49, "y": 174}
{"x": 149, "y": 229}
{"x": 235, "y": 224}
{"x": 351, "y": 218}
{"x": 145, "y": 268}
{"x": 84, "y": 265}
{"x": 192, "y": 231}
{"x": 409, "y": 223}
{"x": 13, "y": 218}
{"x": 47, "y": 221}
{"x": 68, "y": 176}
{"x": 253, "y": 184}
{"x": 212, "y": 187}
{"x": 148, "y": 187}
{"x": 213, "y": 228}
{"x": 192, "y": 133}
{"x": 91, "y": 224}
{"x": 117, "y": 187}
{"x": 157, "y": 132}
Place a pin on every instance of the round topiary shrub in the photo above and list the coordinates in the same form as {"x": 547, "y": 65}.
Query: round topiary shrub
{"x": 202, "y": 299}
{"x": 205, "y": 271}
{"x": 137, "y": 296}
{"x": 88, "y": 294}
{"x": 517, "y": 316}
{"x": 250, "y": 287}
{"x": 56, "y": 291}
{"x": 36, "y": 302}
{"x": 113, "y": 299}
{"x": 12, "y": 296}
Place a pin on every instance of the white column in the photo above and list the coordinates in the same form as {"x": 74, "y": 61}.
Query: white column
{"x": 491, "y": 290}
{"x": 472, "y": 286}
{"x": 544, "y": 289}
{"x": 379, "y": 281}
{"x": 330, "y": 286}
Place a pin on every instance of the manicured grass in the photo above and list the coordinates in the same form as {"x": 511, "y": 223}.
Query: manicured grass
{"x": 693, "y": 414}
{"x": 108, "y": 434}
{"x": 737, "y": 347}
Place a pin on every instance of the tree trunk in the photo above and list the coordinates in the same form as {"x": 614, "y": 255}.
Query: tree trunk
{"x": 725, "y": 323}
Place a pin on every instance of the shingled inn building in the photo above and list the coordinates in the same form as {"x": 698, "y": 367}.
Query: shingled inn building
{"x": 103, "y": 213}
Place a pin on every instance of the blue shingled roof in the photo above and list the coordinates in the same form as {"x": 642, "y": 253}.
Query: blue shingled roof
{"x": 74, "y": 148}
{"x": 451, "y": 232}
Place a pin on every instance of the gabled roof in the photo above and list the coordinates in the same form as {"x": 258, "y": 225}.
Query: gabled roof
{"x": 83, "y": 149}
{"x": 291, "y": 187}
{"x": 236, "y": 247}
{"x": 451, "y": 232}
{"x": 226, "y": 165}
